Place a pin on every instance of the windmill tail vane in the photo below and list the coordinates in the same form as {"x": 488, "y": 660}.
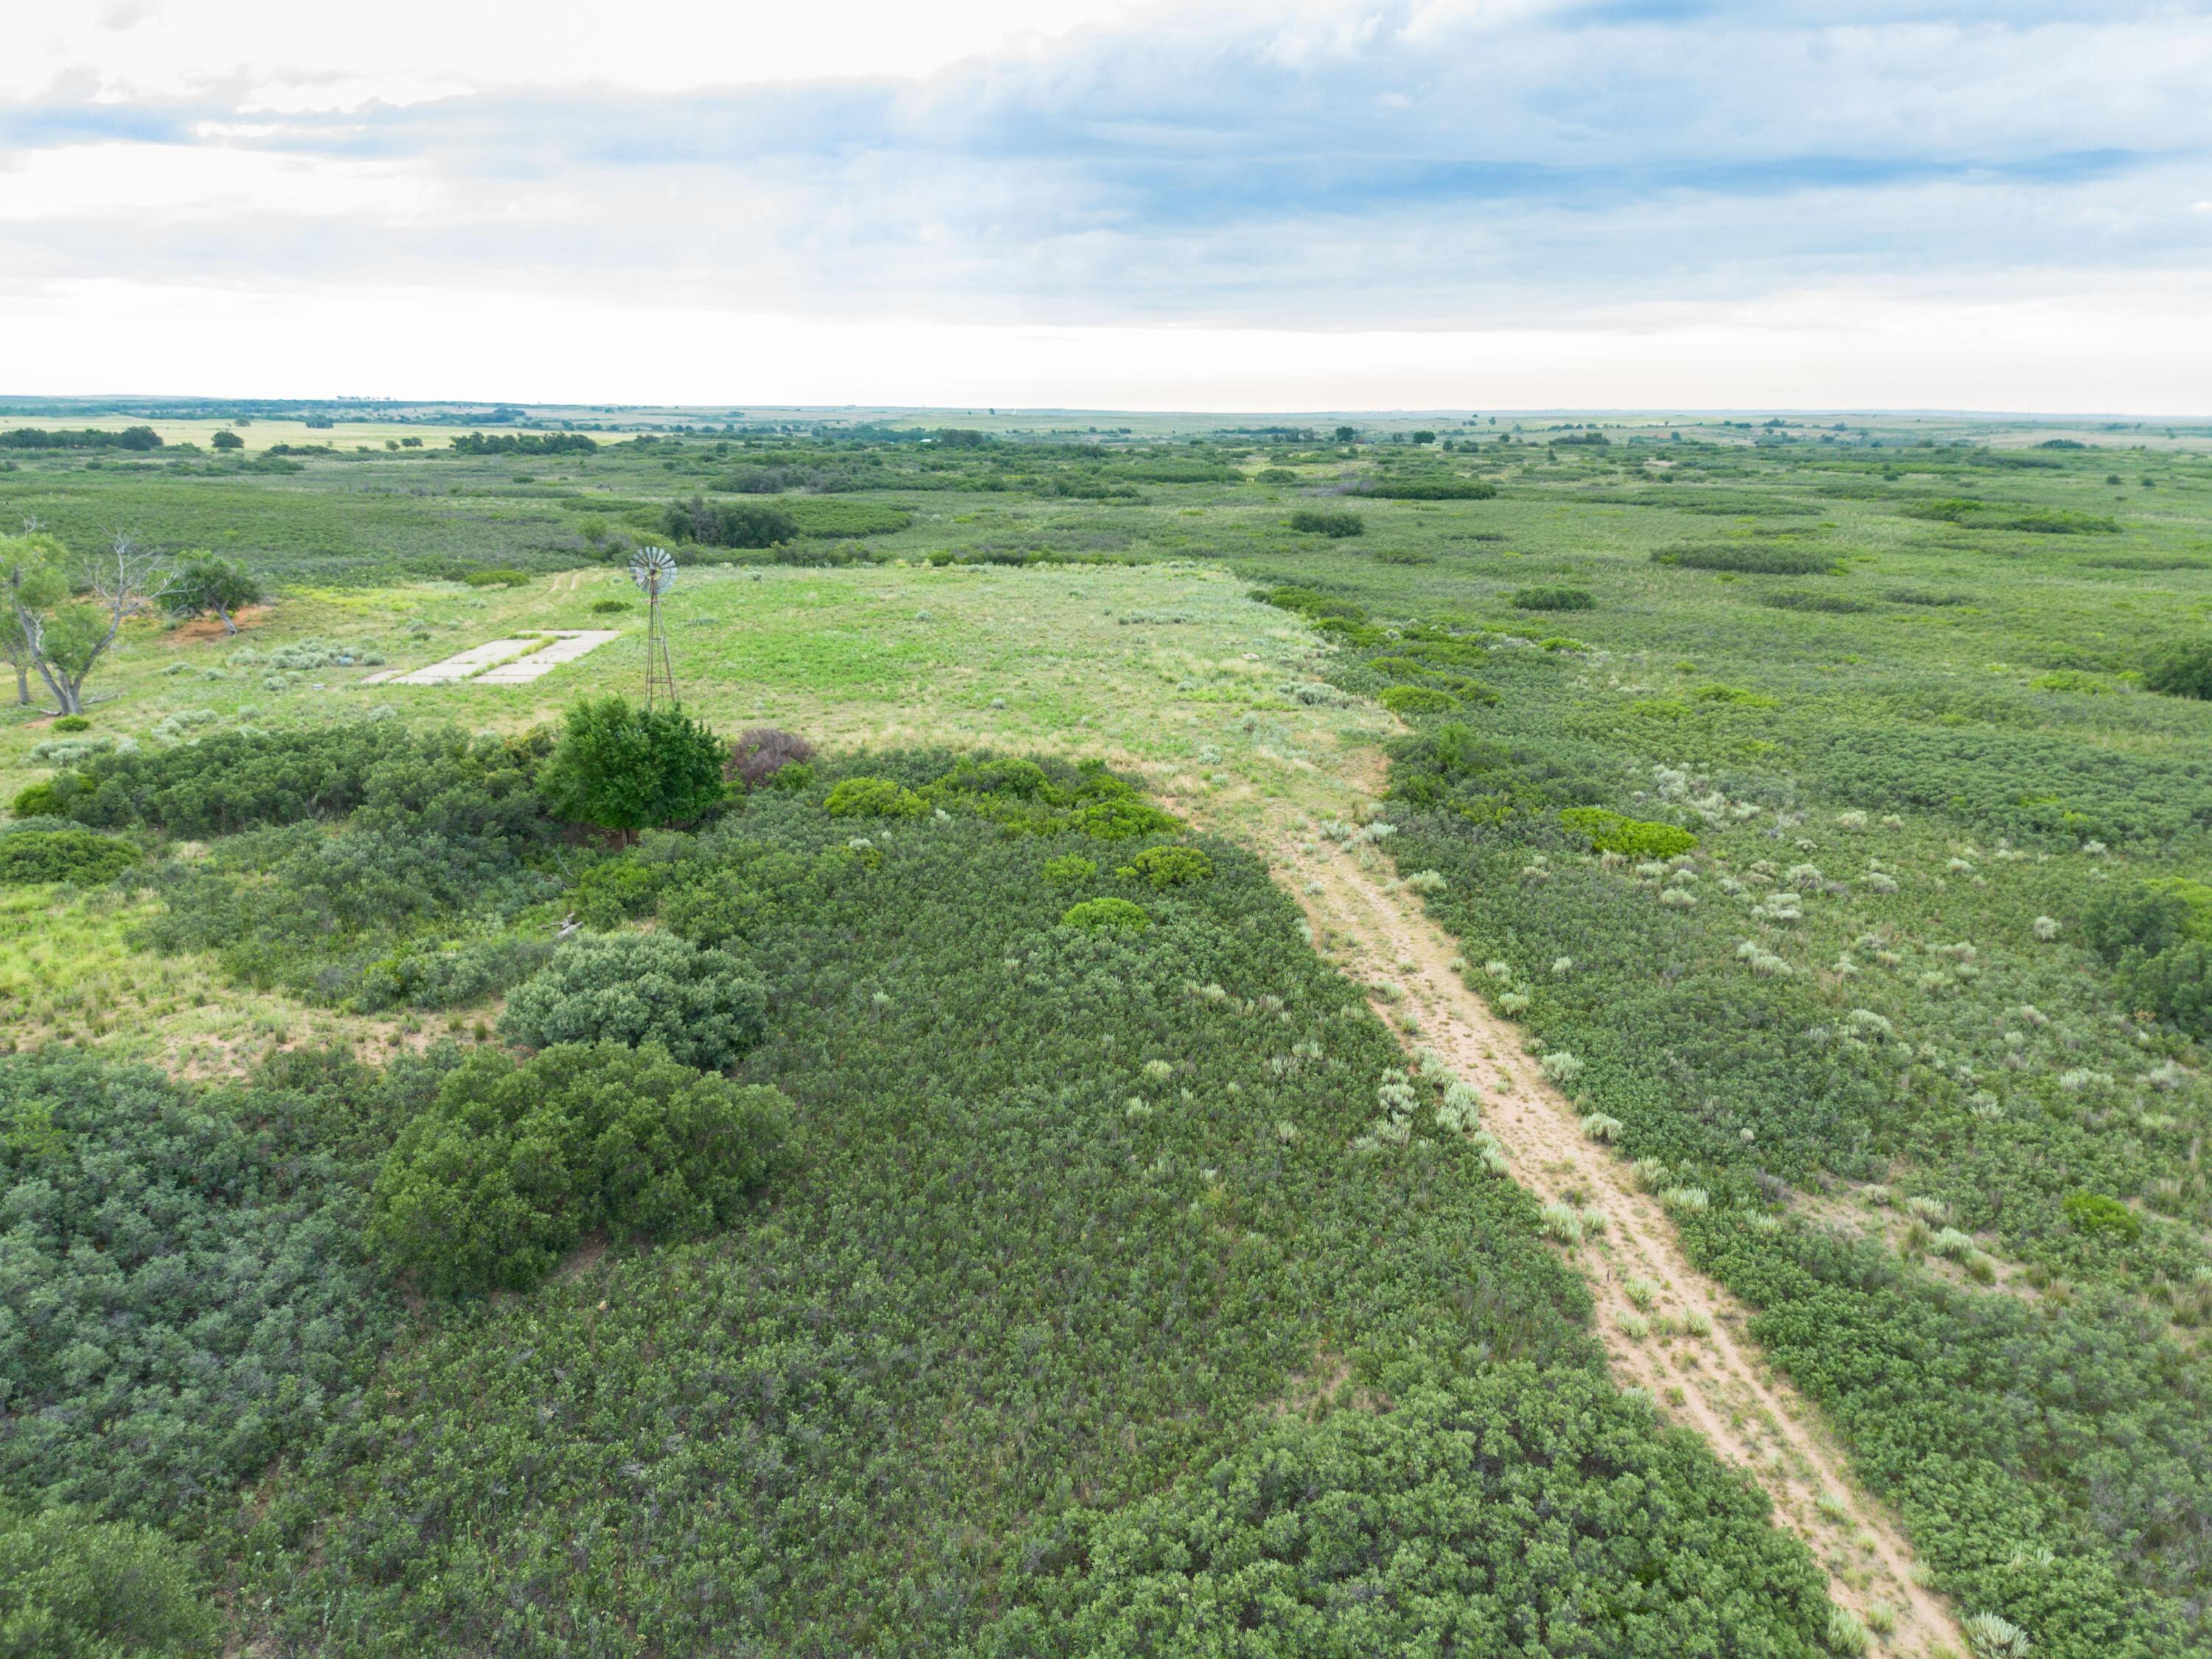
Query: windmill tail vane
{"x": 653, "y": 570}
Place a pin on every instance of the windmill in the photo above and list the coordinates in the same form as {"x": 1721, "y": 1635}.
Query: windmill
{"x": 653, "y": 570}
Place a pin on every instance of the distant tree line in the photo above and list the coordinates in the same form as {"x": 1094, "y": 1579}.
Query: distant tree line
{"x": 34, "y": 437}
{"x": 525, "y": 443}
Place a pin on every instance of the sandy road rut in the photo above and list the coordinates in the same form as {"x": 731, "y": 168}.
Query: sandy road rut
{"x": 1716, "y": 1382}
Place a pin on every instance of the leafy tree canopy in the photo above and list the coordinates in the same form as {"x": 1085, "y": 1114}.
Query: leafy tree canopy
{"x": 513, "y": 1163}
{"x": 622, "y": 767}
{"x": 706, "y": 1007}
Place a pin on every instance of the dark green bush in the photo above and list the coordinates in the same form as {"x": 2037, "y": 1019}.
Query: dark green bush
{"x": 1754, "y": 558}
{"x": 610, "y": 607}
{"x": 1428, "y": 489}
{"x": 1327, "y": 521}
{"x": 1379, "y": 1533}
{"x": 510, "y": 1165}
{"x": 182, "y": 1290}
{"x": 873, "y": 797}
{"x": 76, "y": 855}
{"x": 1168, "y": 867}
{"x": 818, "y": 515}
{"x": 234, "y": 781}
{"x": 1792, "y": 599}
{"x": 1106, "y": 912}
{"x": 73, "y": 1587}
{"x": 729, "y": 524}
{"x": 37, "y": 800}
{"x": 205, "y": 585}
{"x": 624, "y": 767}
{"x": 498, "y": 577}
{"x": 73, "y": 723}
{"x": 1554, "y": 599}
{"x": 1419, "y": 700}
{"x": 706, "y": 1007}
{"x": 2184, "y": 670}
{"x": 449, "y": 976}
{"x": 2175, "y": 984}
{"x": 2137, "y": 917}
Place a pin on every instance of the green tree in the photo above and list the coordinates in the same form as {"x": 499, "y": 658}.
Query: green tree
{"x": 228, "y": 440}
{"x": 205, "y": 584}
{"x": 72, "y": 1588}
{"x": 31, "y": 568}
{"x": 65, "y": 621}
{"x": 510, "y": 1165}
{"x": 625, "y": 769}
{"x": 2182, "y": 670}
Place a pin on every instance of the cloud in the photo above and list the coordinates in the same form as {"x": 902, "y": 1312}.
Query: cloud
{"x": 1440, "y": 165}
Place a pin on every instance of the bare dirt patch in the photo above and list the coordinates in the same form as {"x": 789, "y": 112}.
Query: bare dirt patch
{"x": 211, "y": 628}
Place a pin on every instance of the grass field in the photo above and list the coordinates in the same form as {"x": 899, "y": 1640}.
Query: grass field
{"x": 1880, "y": 680}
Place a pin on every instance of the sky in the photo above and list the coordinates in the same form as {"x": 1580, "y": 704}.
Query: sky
{"x": 1304, "y": 205}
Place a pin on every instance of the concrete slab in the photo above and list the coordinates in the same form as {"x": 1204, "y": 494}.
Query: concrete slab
{"x": 501, "y": 662}
{"x": 567, "y": 647}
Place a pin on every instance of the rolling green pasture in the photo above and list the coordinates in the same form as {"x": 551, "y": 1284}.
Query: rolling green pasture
{"x": 1887, "y": 673}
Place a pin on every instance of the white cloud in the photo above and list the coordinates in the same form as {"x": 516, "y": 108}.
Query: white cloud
{"x": 294, "y": 57}
{"x": 1506, "y": 180}
{"x": 162, "y": 184}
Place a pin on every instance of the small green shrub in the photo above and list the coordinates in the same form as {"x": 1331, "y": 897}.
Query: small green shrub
{"x": 1070, "y": 869}
{"x": 820, "y": 515}
{"x": 498, "y": 577}
{"x": 78, "y": 855}
{"x": 610, "y": 607}
{"x": 1751, "y": 558}
{"x": 510, "y": 1165}
{"x": 2179, "y": 671}
{"x": 1419, "y": 700}
{"x": 1611, "y": 832}
{"x": 1734, "y": 695}
{"x": 73, "y": 723}
{"x": 1103, "y": 913}
{"x": 706, "y": 1007}
{"x": 2093, "y": 1213}
{"x": 447, "y": 977}
{"x": 40, "y": 800}
{"x": 1554, "y": 599}
{"x": 874, "y": 798}
{"x": 1428, "y": 489}
{"x": 1332, "y": 522}
{"x": 73, "y": 1587}
{"x": 1168, "y": 867}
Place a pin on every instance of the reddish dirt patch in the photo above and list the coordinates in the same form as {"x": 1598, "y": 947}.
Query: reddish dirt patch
{"x": 211, "y": 628}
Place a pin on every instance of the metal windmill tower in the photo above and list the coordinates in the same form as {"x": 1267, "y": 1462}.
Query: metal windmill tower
{"x": 653, "y": 570}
